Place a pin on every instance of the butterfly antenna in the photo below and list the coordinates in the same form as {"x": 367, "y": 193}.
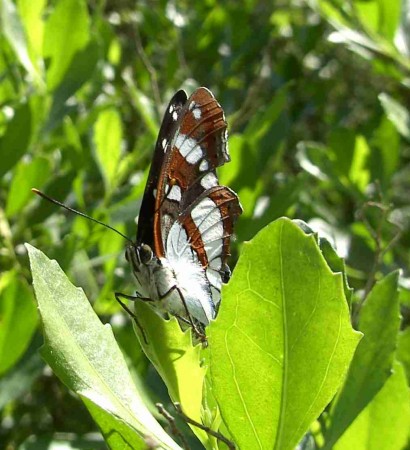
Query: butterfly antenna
{"x": 56, "y": 202}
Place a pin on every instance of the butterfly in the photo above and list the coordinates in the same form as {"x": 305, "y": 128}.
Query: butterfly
{"x": 186, "y": 220}
{"x": 185, "y": 224}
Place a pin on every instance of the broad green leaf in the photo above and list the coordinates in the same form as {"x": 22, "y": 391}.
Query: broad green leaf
{"x": 13, "y": 30}
{"x": 403, "y": 350}
{"x": 18, "y": 319}
{"x": 372, "y": 363}
{"x": 83, "y": 353}
{"x": 397, "y": 114}
{"x": 177, "y": 361}
{"x": 28, "y": 174}
{"x": 108, "y": 139}
{"x": 15, "y": 141}
{"x": 384, "y": 423}
{"x": 282, "y": 342}
{"x": 69, "y": 18}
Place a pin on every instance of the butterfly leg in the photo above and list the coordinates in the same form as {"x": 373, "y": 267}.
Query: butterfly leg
{"x": 119, "y": 295}
{"x": 199, "y": 335}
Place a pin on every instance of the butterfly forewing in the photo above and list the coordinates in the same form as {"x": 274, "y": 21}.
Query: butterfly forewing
{"x": 162, "y": 147}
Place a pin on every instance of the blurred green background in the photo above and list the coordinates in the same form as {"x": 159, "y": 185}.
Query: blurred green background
{"x": 316, "y": 96}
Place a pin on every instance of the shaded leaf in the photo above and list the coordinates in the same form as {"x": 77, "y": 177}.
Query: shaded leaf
{"x": 78, "y": 72}
{"x": 18, "y": 319}
{"x": 282, "y": 341}
{"x": 18, "y": 381}
{"x": 14, "y": 143}
{"x": 372, "y": 363}
{"x": 403, "y": 351}
{"x": 385, "y": 420}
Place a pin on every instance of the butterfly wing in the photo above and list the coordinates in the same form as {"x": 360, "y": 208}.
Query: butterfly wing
{"x": 162, "y": 147}
{"x": 194, "y": 215}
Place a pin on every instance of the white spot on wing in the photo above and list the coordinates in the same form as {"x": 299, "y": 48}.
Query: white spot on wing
{"x": 209, "y": 180}
{"x": 204, "y": 165}
{"x": 197, "y": 113}
{"x": 154, "y": 191}
{"x": 175, "y": 193}
{"x": 164, "y": 143}
{"x": 174, "y": 116}
{"x": 189, "y": 148}
{"x": 171, "y": 109}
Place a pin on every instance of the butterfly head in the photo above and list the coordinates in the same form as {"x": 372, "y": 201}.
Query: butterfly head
{"x": 138, "y": 255}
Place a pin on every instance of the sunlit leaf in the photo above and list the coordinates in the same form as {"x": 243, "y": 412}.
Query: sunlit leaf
{"x": 12, "y": 28}
{"x": 83, "y": 353}
{"x": 108, "y": 138}
{"x": 397, "y": 113}
{"x": 69, "y": 18}
{"x": 283, "y": 340}
{"x": 31, "y": 14}
{"x": 28, "y": 174}
{"x": 177, "y": 361}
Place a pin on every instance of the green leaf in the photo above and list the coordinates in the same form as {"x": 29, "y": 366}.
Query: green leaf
{"x": 282, "y": 342}
{"x": 19, "y": 380}
{"x": 384, "y": 423}
{"x": 69, "y": 18}
{"x": 18, "y": 319}
{"x": 31, "y": 14}
{"x": 83, "y": 353}
{"x": 79, "y": 72}
{"x": 397, "y": 114}
{"x": 27, "y": 175}
{"x": 403, "y": 351}
{"x": 177, "y": 361}
{"x": 13, "y": 30}
{"x": 62, "y": 184}
{"x": 108, "y": 138}
{"x": 359, "y": 173}
{"x": 372, "y": 363}
{"x": 14, "y": 143}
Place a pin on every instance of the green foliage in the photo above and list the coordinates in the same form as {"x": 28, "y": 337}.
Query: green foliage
{"x": 316, "y": 95}
{"x": 282, "y": 284}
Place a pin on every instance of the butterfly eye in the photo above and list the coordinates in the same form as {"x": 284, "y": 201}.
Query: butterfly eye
{"x": 226, "y": 274}
{"x": 145, "y": 253}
